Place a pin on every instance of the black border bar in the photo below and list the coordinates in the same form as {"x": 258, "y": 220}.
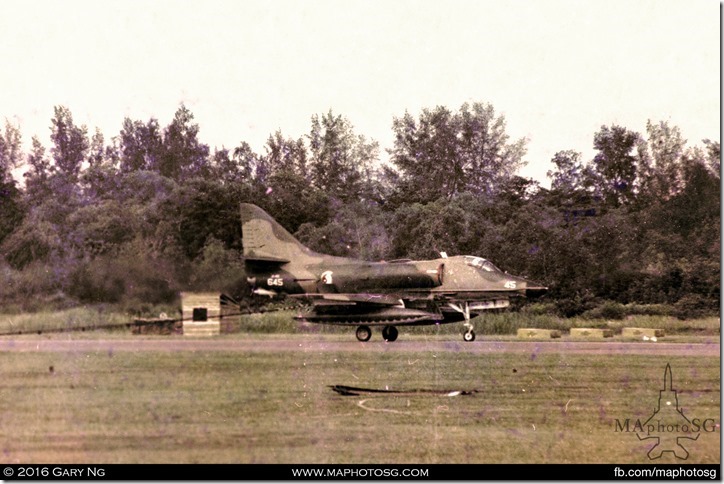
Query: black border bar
{"x": 368, "y": 472}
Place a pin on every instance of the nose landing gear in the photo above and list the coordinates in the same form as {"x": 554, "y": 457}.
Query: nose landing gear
{"x": 464, "y": 308}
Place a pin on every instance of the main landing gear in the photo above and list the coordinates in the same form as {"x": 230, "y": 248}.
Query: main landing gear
{"x": 465, "y": 310}
{"x": 389, "y": 333}
{"x": 364, "y": 333}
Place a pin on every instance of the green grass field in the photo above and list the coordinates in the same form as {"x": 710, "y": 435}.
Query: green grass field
{"x": 277, "y": 407}
{"x": 82, "y": 319}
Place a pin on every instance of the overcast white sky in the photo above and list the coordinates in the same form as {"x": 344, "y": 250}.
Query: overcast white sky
{"x": 556, "y": 69}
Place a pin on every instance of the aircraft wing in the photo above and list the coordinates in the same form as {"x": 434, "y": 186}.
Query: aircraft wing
{"x": 357, "y": 299}
{"x": 364, "y": 309}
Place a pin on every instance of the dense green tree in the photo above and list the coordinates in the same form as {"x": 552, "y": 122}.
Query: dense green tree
{"x": 420, "y": 231}
{"x": 236, "y": 166}
{"x": 526, "y": 243}
{"x": 175, "y": 151}
{"x": 713, "y": 151}
{"x": 125, "y": 277}
{"x": 489, "y": 158}
{"x": 412, "y": 235}
{"x": 183, "y": 156}
{"x": 283, "y": 185}
{"x": 217, "y": 268}
{"x": 341, "y": 162}
{"x": 293, "y": 202}
{"x": 52, "y": 189}
{"x": 103, "y": 227}
{"x": 445, "y": 153}
{"x": 616, "y": 164}
{"x": 283, "y": 156}
{"x": 11, "y": 155}
{"x": 11, "y": 207}
{"x": 37, "y": 178}
{"x": 247, "y": 161}
{"x": 357, "y": 229}
{"x": 574, "y": 187}
{"x": 199, "y": 209}
{"x": 425, "y": 155}
{"x": 140, "y": 145}
{"x": 150, "y": 214}
{"x": 69, "y": 150}
{"x": 97, "y": 150}
{"x": 699, "y": 201}
{"x": 34, "y": 240}
{"x": 100, "y": 179}
{"x": 667, "y": 148}
{"x": 569, "y": 175}
{"x": 70, "y": 145}
{"x": 12, "y": 210}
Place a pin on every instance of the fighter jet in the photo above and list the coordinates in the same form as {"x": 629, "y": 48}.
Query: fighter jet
{"x": 357, "y": 293}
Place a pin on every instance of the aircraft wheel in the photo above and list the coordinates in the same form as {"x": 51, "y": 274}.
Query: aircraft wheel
{"x": 364, "y": 333}
{"x": 469, "y": 336}
{"x": 389, "y": 333}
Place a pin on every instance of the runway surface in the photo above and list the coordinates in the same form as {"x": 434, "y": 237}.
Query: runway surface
{"x": 709, "y": 348}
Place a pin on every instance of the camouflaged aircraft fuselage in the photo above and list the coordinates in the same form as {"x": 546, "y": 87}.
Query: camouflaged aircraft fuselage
{"x": 360, "y": 293}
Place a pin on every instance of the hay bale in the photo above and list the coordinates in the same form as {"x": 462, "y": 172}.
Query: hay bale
{"x": 639, "y": 333}
{"x": 531, "y": 333}
{"x": 592, "y": 333}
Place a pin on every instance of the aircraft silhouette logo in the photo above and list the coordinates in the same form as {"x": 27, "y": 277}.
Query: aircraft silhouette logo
{"x": 668, "y": 425}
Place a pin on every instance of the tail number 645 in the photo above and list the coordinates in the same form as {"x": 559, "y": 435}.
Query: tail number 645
{"x": 275, "y": 280}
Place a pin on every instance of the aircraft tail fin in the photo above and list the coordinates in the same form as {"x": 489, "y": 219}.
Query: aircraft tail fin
{"x": 264, "y": 240}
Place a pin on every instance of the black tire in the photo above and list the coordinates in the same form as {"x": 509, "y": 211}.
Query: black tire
{"x": 469, "y": 336}
{"x": 364, "y": 333}
{"x": 389, "y": 333}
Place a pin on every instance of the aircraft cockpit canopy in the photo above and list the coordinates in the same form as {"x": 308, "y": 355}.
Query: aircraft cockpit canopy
{"x": 480, "y": 263}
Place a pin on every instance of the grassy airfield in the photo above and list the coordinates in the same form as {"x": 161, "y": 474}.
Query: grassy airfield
{"x": 278, "y": 407}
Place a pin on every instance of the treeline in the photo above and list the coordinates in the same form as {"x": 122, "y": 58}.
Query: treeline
{"x": 135, "y": 219}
